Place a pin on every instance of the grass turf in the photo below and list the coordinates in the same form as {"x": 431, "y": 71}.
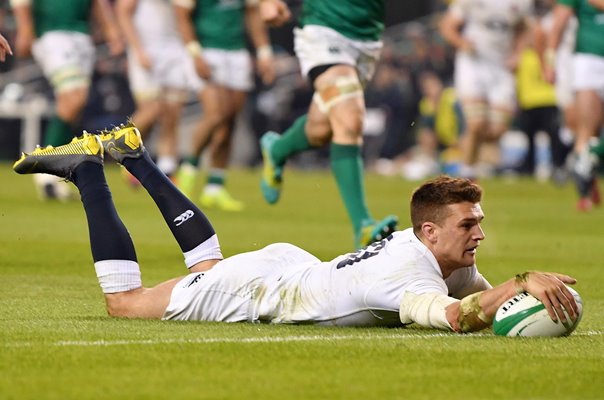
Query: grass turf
{"x": 56, "y": 341}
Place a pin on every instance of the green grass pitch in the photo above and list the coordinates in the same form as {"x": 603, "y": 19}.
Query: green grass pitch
{"x": 56, "y": 341}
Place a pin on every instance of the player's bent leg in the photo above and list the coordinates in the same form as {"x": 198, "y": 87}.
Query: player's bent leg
{"x": 188, "y": 224}
{"x": 340, "y": 97}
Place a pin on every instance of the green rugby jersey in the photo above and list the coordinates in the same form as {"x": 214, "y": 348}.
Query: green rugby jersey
{"x": 590, "y": 35}
{"x": 61, "y": 15}
{"x": 355, "y": 19}
{"x": 219, "y": 24}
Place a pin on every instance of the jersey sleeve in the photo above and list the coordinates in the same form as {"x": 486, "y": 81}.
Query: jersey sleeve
{"x": 467, "y": 281}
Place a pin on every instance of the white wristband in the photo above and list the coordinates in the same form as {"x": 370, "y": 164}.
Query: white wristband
{"x": 549, "y": 57}
{"x": 19, "y": 3}
{"x": 264, "y": 52}
{"x": 188, "y": 4}
{"x": 194, "y": 48}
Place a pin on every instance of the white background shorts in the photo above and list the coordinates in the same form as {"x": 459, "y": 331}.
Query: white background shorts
{"x": 230, "y": 68}
{"x": 588, "y": 73}
{"x": 171, "y": 67}
{"x": 63, "y": 53}
{"x": 476, "y": 78}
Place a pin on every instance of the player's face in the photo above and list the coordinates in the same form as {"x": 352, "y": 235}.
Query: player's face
{"x": 459, "y": 236}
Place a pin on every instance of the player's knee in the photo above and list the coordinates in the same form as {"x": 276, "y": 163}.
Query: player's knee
{"x": 336, "y": 91}
{"x": 118, "y": 305}
{"x": 68, "y": 108}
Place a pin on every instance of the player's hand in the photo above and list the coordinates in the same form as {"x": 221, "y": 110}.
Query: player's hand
{"x": 116, "y": 45}
{"x": 23, "y": 42}
{"x": 143, "y": 59}
{"x": 549, "y": 74}
{"x": 274, "y": 12}
{"x": 202, "y": 68}
{"x": 266, "y": 69}
{"x": 551, "y": 289}
{"x": 4, "y": 48}
{"x": 512, "y": 62}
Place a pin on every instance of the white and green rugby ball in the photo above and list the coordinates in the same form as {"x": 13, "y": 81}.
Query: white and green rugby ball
{"x": 525, "y": 315}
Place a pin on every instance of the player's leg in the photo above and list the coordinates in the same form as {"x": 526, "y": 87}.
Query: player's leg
{"x": 167, "y": 142}
{"x": 588, "y": 84}
{"x": 589, "y": 121}
{"x": 339, "y": 95}
{"x": 190, "y": 227}
{"x": 215, "y": 193}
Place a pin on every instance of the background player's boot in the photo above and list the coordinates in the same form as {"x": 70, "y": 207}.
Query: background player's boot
{"x": 123, "y": 142}
{"x": 221, "y": 199}
{"x": 271, "y": 181}
{"x": 372, "y": 231}
{"x": 61, "y": 161}
{"x": 186, "y": 176}
{"x": 584, "y": 167}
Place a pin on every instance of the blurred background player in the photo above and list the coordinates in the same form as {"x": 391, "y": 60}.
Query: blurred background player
{"x": 214, "y": 33}
{"x": 565, "y": 99}
{"x": 160, "y": 72}
{"x": 588, "y": 84}
{"x": 57, "y": 34}
{"x": 337, "y": 46}
{"x": 4, "y": 48}
{"x": 488, "y": 37}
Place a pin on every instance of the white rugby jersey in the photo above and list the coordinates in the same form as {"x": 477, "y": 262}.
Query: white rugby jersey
{"x": 285, "y": 284}
{"x": 490, "y": 25}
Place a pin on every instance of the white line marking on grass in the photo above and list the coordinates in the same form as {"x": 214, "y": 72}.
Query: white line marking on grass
{"x": 270, "y": 339}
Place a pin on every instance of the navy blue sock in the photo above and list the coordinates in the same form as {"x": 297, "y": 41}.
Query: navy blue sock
{"x": 188, "y": 223}
{"x": 109, "y": 238}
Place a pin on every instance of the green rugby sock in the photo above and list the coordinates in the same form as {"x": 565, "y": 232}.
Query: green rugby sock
{"x": 58, "y": 132}
{"x": 292, "y": 141}
{"x": 216, "y": 177}
{"x": 193, "y": 160}
{"x": 347, "y": 168}
{"x": 598, "y": 149}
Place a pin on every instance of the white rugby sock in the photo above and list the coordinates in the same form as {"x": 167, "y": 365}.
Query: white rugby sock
{"x": 118, "y": 275}
{"x": 207, "y": 250}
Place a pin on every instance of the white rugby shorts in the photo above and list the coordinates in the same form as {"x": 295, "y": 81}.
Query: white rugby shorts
{"x": 66, "y": 58}
{"x": 230, "y": 68}
{"x": 477, "y": 78}
{"x": 171, "y": 67}
{"x": 318, "y": 45}
{"x": 231, "y": 291}
{"x": 588, "y": 73}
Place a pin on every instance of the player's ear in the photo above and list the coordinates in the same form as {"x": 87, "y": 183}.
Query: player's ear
{"x": 430, "y": 231}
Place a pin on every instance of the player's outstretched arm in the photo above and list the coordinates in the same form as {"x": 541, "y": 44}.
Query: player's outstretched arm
{"x": 562, "y": 15}
{"x": 476, "y": 311}
{"x": 259, "y": 35}
{"x": 103, "y": 13}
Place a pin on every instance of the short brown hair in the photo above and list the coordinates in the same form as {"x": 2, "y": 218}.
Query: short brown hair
{"x": 429, "y": 201}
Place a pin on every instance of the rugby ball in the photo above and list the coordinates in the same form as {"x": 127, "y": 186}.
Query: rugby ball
{"x": 525, "y": 315}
